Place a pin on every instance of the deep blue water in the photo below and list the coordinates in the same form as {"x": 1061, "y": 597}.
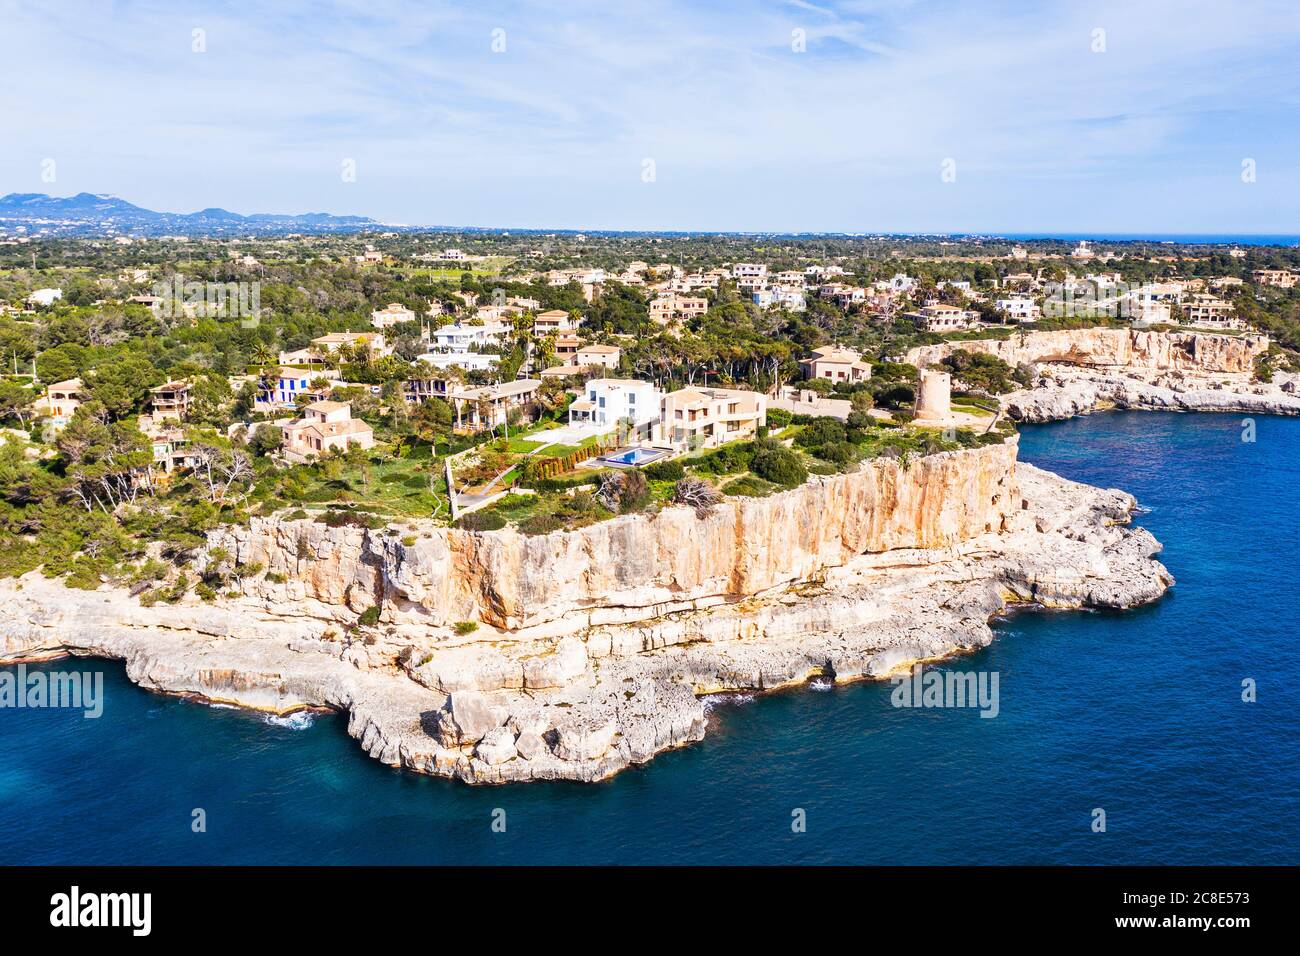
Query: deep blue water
{"x": 1137, "y": 713}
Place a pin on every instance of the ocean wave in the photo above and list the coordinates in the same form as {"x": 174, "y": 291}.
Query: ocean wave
{"x": 711, "y": 701}
{"x": 821, "y": 684}
{"x": 298, "y": 720}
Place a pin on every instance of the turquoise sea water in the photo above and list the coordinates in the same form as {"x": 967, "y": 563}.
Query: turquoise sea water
{"x": 1138, "y": 713}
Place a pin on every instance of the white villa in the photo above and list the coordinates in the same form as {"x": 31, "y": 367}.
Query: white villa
{"x": 470, "y": 361}
{"x": 935, "y": 317}
{"x": 607, "y": 401}
{"x": 459, "y": 338}
{"x": 1020, "y": 308}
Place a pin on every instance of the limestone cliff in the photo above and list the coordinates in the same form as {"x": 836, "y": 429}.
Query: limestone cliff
{"x": 1203, "y": 352}
{"x": 591, "y": 698}
{"x": 630, "y": 567}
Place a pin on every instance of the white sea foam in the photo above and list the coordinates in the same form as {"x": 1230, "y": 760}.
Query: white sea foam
{"x": 298, "y": 720}
{"x": 711, "y": 701}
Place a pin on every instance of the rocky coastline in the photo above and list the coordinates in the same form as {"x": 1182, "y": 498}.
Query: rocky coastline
{"x": 574, "y": 655}
{"x": 1081, "y": 371}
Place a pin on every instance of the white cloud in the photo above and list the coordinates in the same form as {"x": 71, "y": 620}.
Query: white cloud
{"x": 746, "y": 133}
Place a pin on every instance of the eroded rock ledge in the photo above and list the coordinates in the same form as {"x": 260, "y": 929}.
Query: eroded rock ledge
{"x": 1080, "y": 371}
{"x": 595, "y": 646}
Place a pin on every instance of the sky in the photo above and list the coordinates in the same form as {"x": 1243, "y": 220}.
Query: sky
{"x": 1142, "y": 116}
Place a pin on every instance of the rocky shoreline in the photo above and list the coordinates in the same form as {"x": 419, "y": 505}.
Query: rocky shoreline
{"x": 1063, "y": 391}
{"x": 582, "y": 699}
{"x": 1080, "y": 371}
{"x": 497, "y": 657}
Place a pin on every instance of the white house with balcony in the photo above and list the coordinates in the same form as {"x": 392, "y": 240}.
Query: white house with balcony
{"x": 1019, "y": 308}
{"x": 458, "y": 339}
{"x": 607, "y": 401}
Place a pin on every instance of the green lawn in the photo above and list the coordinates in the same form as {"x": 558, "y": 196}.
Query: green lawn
{"x": 391, "y": 487}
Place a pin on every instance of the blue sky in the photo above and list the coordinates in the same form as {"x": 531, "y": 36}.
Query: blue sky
{"x": 745, "y": 133}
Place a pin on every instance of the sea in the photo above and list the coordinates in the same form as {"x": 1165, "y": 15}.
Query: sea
{"x": 1164, "y": 735}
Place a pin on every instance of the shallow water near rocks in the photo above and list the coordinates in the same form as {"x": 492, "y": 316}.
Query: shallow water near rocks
{"x": 1137, "y": 713}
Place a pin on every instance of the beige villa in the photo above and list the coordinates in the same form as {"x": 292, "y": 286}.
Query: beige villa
{"x": 486, "y": 406}
{"x": 170, "y": 401}
{"x": 61, "y": 400}
{"x": 605, "y": 356}
{"x": 837, "y": 365}
{"x": 692, "y": 417}
{"x": 325, "y": 427}
{"x": 392, "y": 314}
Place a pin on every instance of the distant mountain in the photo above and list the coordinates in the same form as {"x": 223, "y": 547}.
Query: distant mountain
{"x": 87, "y": 214}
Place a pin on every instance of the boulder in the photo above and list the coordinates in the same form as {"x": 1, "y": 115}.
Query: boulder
{"x": 582, "y": 740}
{"x": 566, "y": 663}
{"x": 530, "y": 745}
{"x": 497, "y": 746}
{"x": 467, "y": 717}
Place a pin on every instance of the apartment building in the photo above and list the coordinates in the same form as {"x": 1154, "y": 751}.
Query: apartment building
{"x": 1209, "y": 312}
{"x": 1278, "y": 278}
{"x": 670, "y": 308}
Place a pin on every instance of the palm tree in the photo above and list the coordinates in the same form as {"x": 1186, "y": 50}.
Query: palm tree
{"x": 262, "y": 354}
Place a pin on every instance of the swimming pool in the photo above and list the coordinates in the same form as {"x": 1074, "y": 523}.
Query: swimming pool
{"x": 633, "y": 456}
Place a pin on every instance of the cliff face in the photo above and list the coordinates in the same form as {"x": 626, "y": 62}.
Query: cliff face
{"x": 1129, "y": 348}
{"x": 631, "y": 567}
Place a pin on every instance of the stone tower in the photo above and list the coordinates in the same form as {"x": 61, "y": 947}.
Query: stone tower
{"x": 933, "y": 395}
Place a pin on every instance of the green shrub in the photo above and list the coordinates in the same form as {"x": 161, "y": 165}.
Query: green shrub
{"x": 481, "y": 521}
{"x": 541, "y": 524}
{"x": 749, "y": 486}
{"x": 778, "y": 417}
{"x": 369, "y": 617}
{"x": 465, "y": 627}
{"x": 820, "y": 431}
{"x": 780, "y": 466}
{"x": 671, "y": 470}
{"x": 860, "y": 420}
{"x": 837, "y": 452}
{"x": 726, "y": 460}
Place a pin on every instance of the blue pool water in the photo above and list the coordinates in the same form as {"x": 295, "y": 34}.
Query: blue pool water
{"x": 1136, "y": 713}
{"x": 634, "y": 456}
